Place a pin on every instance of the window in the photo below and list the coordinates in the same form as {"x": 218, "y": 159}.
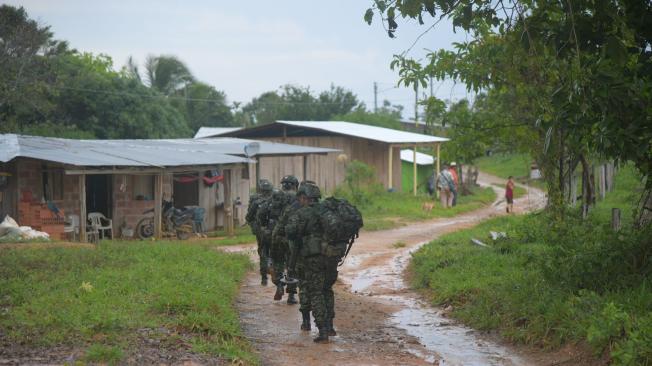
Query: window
{"x": 143, "y": 187}
{"x": 52, "y": 185}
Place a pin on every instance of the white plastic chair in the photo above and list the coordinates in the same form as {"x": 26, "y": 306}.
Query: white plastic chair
{"x": 96, "y": 219}
{"x": 72, "y": 226}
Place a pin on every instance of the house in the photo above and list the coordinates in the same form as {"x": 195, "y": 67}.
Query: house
{"x": 378, "y": 147}
{"x": 123, "y": 178}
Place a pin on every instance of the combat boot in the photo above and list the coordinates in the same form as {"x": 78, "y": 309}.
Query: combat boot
{"x": 305, "y": 325}
{"x": 330, "y": 329}
{"x": 279, "y": 293}
{"x": 291, "y": 299}
{"x": 323, "y": 335}
{"x": 263, "y": 281}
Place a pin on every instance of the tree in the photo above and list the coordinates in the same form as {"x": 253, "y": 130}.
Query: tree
{"x": 388, "y": 116}
{"x": 205, "y": 106}
{"x": 167, "y": 74}
{"x": 577, "y": 72}
{"x": 297, "y": 103}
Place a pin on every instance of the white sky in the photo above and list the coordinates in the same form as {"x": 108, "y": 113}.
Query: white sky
{"x": 248, "y": 47}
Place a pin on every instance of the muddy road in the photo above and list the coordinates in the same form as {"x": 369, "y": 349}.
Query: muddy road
{"x": 379, "y": 320}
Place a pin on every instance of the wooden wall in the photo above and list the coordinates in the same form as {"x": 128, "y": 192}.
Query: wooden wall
{"x": 327, "y": 170}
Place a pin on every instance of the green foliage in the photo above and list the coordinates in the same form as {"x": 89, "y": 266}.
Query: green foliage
{"x": 361, "y": 182}
{"x": 550, "y": 282}
{"x": 67, "y": 296}
{"x": 300, "y": 104}
{"x": 97, "y": 353}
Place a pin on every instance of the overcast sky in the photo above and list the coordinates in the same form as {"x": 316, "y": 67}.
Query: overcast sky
{"x": 248, "y": 47}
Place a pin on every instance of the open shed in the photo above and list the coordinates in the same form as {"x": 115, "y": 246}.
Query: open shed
{"x": 378, "y": 147}
{"x": 123, "y": 178}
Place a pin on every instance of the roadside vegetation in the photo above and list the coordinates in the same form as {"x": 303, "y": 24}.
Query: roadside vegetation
{"x": 100, "y": 299}
{"x": 383, "y": 210}
{"x": 552, "y": 282}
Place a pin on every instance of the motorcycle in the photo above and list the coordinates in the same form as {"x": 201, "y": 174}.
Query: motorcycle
{"x": 174, "y": 220}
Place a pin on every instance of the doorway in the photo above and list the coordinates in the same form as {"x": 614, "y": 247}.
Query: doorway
{"x": 185, "y": 191}
{"x": 99, "y": 197}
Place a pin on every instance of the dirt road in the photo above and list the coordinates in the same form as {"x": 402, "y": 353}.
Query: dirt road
{"x": 378, "y": 319}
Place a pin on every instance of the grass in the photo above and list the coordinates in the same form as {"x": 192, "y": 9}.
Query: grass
{"x": 386, "y": 210}
{"x": 550, "y": 284}
{"x": 242, "y": 235}
{"x": 75, "y": 297}
{"x": 504, "y": 165}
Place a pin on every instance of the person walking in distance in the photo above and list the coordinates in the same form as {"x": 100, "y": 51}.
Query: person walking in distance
{"x": 509, "y": 194}
{"x": 445, "y": 187}
{"x": 455, "y": 189}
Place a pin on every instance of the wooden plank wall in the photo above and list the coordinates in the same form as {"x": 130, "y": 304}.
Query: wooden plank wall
{"x": 327, "y": 170}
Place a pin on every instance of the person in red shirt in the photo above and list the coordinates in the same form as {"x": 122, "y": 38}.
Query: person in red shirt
{"x": 453, "y": 170}
{"x": 509, "y": 194}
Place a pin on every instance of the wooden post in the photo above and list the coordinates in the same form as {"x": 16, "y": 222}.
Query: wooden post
{"x": 615, "y": 219}
{"x": 83, "y": 220}
{"x": 390, "y": 158}
{"x": 438, "y": 166}
{"x": 228, "y": 204}
{"x": 158, "y": 205}
{"x": 258, "y": 174}
{"x": 414, "y": 169}
{"x": 305, "y": 167}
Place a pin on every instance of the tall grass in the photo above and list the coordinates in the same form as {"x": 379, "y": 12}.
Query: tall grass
{"x": 551, "y": 282}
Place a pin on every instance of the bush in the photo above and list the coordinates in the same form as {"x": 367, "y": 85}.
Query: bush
{"x": 360, "y": 183}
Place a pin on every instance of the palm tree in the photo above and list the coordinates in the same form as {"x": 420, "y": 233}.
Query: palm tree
{"x": 167, "y": 74}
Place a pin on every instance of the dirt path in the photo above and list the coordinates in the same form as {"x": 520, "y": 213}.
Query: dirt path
{"x": 378, "y": 319}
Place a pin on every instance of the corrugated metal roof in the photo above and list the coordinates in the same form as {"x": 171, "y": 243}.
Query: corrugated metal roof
{"x": 376, "y": 133}
{"x": 141, "y": 153}
{"x": 214, "y": 131}
{"x": 422, "y": 159}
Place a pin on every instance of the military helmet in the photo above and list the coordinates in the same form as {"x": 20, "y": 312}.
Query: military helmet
{"x": 310, "y": 190}
{"x": 289, "y": 182}
{"x": 265, "y": 186}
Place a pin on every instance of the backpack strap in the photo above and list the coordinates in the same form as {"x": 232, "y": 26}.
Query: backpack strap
{"x": 348, "y": 249}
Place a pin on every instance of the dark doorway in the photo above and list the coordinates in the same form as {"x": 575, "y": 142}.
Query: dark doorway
{"x": 185, "y": 191}
{"x": 99, "y": 194}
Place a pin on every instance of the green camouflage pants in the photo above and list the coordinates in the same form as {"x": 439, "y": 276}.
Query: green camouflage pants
{"x": 263, "y": 255}
{"x": 320, "y": 273}
{"x": 279, "y": 266}
{"x": 304, "y": 299}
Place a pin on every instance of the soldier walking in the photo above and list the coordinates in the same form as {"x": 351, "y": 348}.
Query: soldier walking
{"x": 270, "y": 220}
{"x": 305, "y": 231}
{"x": 265, "y": 190}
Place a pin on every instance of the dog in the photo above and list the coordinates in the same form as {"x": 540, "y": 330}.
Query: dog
{"x": 427, "y": 206}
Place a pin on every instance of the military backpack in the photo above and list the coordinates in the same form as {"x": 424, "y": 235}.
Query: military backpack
{"x": 341, "y": 222}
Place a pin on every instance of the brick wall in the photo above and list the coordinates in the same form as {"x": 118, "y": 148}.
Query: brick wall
{"x": 126, "y": 209}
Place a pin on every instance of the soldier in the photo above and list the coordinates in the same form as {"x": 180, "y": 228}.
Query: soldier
{"x": 265, "y": 188}
{"x": 307, "y": 234}
{"x": 268, "y": 217}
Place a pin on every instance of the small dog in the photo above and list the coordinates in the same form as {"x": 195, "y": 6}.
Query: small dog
{"x": 427, "y": 206}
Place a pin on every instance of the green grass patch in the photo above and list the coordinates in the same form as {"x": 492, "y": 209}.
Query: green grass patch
{"x": 550, "y": 282}
{"x": 386, "y": 210}
{"x": 504, "y": 165}
{"x": 242, "y": 235}
{"x": 73, "y": 296}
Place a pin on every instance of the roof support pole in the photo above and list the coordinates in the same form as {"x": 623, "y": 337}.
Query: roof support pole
{"x": 305, "y": 167}
{"x": 414, "y": 170}
{"x": 82, "y": 208}
{"x": 228, "y": 203}
{"x": 390, "y": 166}
{"x": 158, "y": 205}
{"x": 258, "y": 173}
{"x": 437, "y": 165}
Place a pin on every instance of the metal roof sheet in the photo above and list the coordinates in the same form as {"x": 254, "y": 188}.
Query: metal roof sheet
{"x": 141, "y": 153}
{"x": 422, "y": 159}
{"x": 214, "y": 131}
{"x": 376, "y": 133}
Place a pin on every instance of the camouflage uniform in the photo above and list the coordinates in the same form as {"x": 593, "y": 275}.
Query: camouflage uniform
{"x": 319, "y": 271}
{"x": 255, "y": 202}
{"x": 268, "y": 218}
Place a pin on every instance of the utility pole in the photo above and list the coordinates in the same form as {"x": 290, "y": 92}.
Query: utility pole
{"x": 431, "y": 93}
{"x": 375, "y": 97}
